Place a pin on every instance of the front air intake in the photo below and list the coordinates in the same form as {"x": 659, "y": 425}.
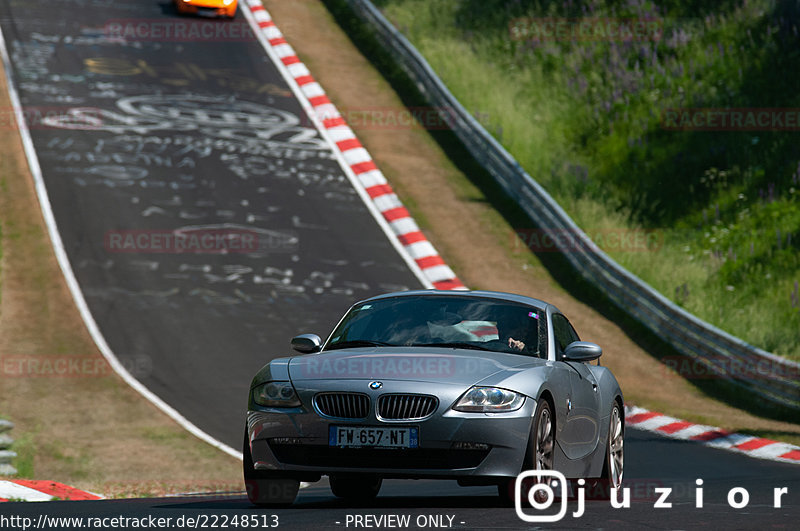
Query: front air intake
{"x": 342, "y": 405}
{"x": 406, "y": 407}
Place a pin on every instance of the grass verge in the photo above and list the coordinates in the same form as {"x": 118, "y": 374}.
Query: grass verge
{"x": 590, "y": 120}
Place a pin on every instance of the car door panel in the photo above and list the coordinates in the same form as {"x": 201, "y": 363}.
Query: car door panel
{"x": 580, "y": 433}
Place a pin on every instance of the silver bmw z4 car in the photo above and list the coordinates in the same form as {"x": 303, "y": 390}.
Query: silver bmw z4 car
{"x": 475, "y": 386}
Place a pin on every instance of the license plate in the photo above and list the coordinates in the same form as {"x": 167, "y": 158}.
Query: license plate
{"x": 369, "y": 437}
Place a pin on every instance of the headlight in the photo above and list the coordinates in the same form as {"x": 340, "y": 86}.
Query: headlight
{"x": 276, "y": 394}
{"x": 489, "y": 400}
{"x": 227, "y": 2}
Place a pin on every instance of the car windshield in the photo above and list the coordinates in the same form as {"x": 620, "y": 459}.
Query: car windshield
{"x": 444, "y": 321}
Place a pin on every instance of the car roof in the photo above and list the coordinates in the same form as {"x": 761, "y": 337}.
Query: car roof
{"x": 498, "y": 295}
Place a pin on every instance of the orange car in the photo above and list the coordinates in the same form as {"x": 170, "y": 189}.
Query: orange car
{"x": 207, "y": 7}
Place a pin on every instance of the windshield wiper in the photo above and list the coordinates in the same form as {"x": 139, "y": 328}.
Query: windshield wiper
{"x": 455, "y": 344}
{"x": 358, "y": 343}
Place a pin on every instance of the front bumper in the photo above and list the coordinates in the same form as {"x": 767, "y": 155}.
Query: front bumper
{"x": 451, "y": 444}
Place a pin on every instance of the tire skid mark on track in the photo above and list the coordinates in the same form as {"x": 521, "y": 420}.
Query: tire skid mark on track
{"x": 751, "y": 445}
{"x": 357, "y": 161}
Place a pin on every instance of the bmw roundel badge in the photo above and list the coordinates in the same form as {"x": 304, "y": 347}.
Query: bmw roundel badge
{"x": 375, "y": 385}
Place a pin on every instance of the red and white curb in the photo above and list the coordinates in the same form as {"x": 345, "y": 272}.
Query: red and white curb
{"x": 355, "y": 160}
{"x": 32, "y": 490}
{"x": 751, "y": 445}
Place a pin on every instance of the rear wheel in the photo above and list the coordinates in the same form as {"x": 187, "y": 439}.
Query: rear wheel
{"x": 356, "y": 487}
{"x": 540, "y": 453}
{"x": 266, "y": 488}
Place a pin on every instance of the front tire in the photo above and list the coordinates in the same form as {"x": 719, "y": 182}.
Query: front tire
{"x": 355, "y": 488}
{"x": 265, "y": 488}
{"x": 615, "y": 449}
{"x": 613, "y": 465}
{"x": 540, "y": 452}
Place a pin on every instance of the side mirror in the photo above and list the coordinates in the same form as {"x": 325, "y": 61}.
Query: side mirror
{"x": 307, "y": 343}
{"x": 582, "y": 351}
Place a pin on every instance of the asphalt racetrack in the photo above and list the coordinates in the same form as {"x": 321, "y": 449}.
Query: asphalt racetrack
{"x": 142, "y": 134}
{"x": 141, "y": 138}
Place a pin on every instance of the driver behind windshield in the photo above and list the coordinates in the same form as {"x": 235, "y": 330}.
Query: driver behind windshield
{"x": 517, "y": 330}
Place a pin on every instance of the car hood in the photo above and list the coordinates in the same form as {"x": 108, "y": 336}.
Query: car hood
{"x": 425, "y": 364}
